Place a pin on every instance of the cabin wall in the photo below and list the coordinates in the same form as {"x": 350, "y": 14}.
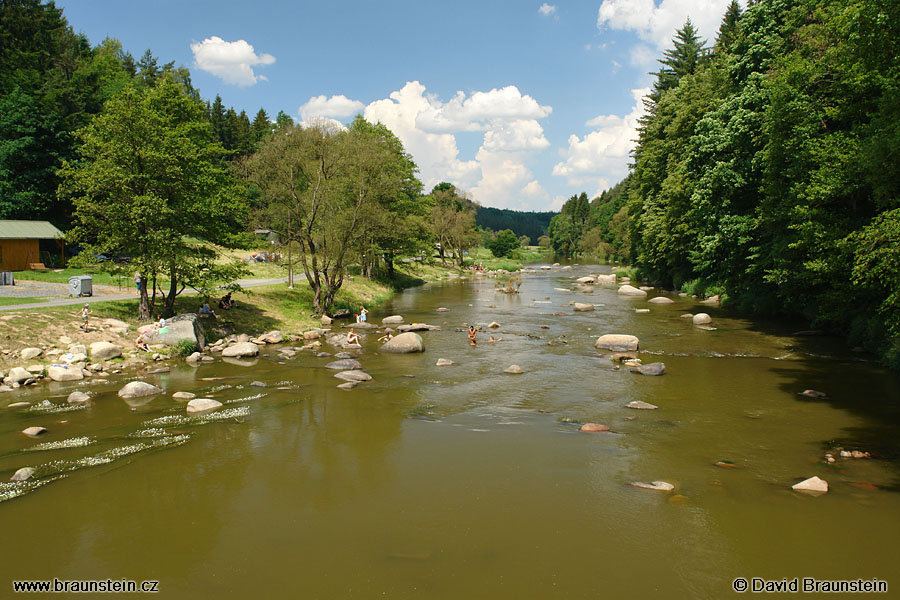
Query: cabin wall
{"x": 16, "y": 254}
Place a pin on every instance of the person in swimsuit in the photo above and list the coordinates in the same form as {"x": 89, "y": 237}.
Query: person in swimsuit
{"x": 353, "y": 338}
{"x": 472, "y": 333}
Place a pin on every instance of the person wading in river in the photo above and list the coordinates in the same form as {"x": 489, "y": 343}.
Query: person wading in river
{"x": 472, "y": 333}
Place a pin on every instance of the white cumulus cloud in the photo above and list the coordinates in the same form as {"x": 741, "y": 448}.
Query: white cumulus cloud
{"x": 656, "y": 23}
{"x": 600, "y": 158}
{"x": 498, "y": 175}
{"x": 232, "y": 62}
{"x": 335, "y": 106}
{"x": 547, "y": 9}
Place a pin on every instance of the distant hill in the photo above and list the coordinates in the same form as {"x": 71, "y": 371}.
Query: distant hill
{"x": 532, "y": 224}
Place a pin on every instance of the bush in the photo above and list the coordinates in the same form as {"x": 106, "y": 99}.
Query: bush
{"x": 185, "y": 348}
{"x": 504, "y": 244}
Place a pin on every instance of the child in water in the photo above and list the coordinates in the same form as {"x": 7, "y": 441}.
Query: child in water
{"x": 472, "y": 333}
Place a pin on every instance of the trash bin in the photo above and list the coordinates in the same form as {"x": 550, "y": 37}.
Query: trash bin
{"x": 81, "y": 285}
{"x": 7, "y": 278}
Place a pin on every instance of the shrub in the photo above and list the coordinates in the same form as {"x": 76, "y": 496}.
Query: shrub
{"x": 185, "y": 348}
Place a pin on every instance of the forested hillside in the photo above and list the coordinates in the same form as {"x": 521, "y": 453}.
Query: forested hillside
{"x": 531, "y": 224}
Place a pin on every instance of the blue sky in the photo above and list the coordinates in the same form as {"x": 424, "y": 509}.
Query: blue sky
{"x": 521, "y": 104}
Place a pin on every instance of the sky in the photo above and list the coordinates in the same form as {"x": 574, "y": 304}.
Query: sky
{"x": 521, "y": 104}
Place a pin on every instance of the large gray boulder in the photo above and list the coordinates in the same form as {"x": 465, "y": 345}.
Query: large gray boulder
{"x": 137, "y": 389}
{"x": 392, "y": 320}
{"x": 583, "y": 307}
{"x": 344, "y": 364}
{"x": 104, "y": 351}
{"x": 641, "y": 405}
{"x": 78, "y": 398}
{"x": 22, "y": 474}
{"x": 656, "y": 368}
{"x": 587, "y": 279}
{"x": 701, "y": 319}
{"x": 240, "y": 350}
{"x": 418, "y": 327}
{"x": 200, "y": 405}
{"x": 178, "y": 328}
{"x": 354, "y": 375}
{"x": 272, "y": 337}
{"x": 19, "y": 375}
{"x": 628, "y": 290}
{"x": 606, "y": 279}
{"x": 660, "y": 300}
{"x": 64, "y": 373}
{"x": 404, "y": 343}
{"x": 617, "y": 342}
{"x": 29, "y": 353}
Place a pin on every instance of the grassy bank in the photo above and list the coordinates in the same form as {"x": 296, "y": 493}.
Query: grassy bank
{"x": 522, "y": 256}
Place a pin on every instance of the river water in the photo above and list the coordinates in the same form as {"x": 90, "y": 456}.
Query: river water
{"x": 464, "y": 481}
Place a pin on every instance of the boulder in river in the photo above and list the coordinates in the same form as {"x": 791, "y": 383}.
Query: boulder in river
{"x": 813, "y": 484}
{"x": 78, "y": 398}
{"x": 594, "y": 427}
{"x": 29, "y": 353}
{"x": 22, "y": 474}
{"x": 194, "y": 357}
{"x": 105, "y": 351}
{"x": 617, "y": 342}
{"x": 137, "y": 389}
{"x": 586, "y": 280}
{"x": 326, "y": 320}
{"x": 341, "y": 355}
{"x": 418, "y": 327}
{"x": 656, "y": 368}
{"x": 200, "y": 405}
{"x": 660, "y": 300}
{"x": 641, "y": 405}
{"x": 34, "y": 431}
{"x": 272, "y": 337}
{"x": 392, "y": 320}
{"x": 355, "y": 375}
{"x": 660, "y": 486}
{"x": 184, "y": 395}
{"x": 701, "y": 319}
{"x": 513, "y": 370}
{"x": 404, "y": 343}
{"x": 444, "y": 362}
{"x": 442, "y": 309}
{"x": 64, "y": 373}
{"x": 241, "y": 349}
{"x": 606, "y": 279}
{"x": 19, "y": 375}
{"x": 813, "y": 394}
{"x": 627, "y": 290}
{"x": 344, "y": 364}
{"x": 583, "y": 307}
{"x": 349, "y": 385}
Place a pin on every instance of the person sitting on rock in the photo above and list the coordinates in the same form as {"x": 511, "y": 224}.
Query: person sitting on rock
{"x": 353, "y": 338}
{"x": 386, "y": 337}
{"x": 141, "y": 344}
{"x": 206, "y": 310}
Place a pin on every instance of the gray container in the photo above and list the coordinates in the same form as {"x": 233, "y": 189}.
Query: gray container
{"x": 7, "y": 278}
{"x": 81, "y": 285}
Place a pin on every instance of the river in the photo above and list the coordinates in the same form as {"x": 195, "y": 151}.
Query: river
{"x": 464, "y": 481}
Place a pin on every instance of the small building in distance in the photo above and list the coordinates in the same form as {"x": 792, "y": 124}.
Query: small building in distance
{"x": 20, "y": 243}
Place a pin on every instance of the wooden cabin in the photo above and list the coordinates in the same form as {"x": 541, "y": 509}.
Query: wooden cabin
{"x": 20, "y": 244}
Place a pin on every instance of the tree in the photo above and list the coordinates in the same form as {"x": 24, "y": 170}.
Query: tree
{"x": 453, "y": 221}
{"x": 504, "y": 244}
{"x": 149, "y": 176}
{"x": 261, "y": 127}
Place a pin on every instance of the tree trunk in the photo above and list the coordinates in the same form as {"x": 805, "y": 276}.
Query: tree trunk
{"x": 389, "y": 261}
{"x": 173, "y": 292}
{"x": 144, "y": 306}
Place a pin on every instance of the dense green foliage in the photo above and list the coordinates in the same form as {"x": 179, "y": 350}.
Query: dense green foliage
{"x": 531, "y": 224}
{"x": 504, "y": 244}
{"x": 766, "y": 165}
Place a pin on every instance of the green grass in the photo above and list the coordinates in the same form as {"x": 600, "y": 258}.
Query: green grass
{"x": 62, "y": 276}
{"x": 12, "y": 301}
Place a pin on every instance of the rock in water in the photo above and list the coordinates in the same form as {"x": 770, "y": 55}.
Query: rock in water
{"x": 660, "y": 300}
{"x": 617, "y": 342}
{"x": 404, "y": 343}
{"x": 348, "y": 385}
{"x": 184, "y": 396}
{"x": 513, "y": 370}
{"x": 136, "y": 389}
{"x": 357, "y": 376}
{"x": 627, "y": 290}
{"x": 34, "y": 431}
{"x": 392, "y": 320}
{"x": 272, "y": 337}
{"x": 587, "y": 279}
{"x": 656, "y": 368}
{"x": 22, "y": 474}
{"x": 661, "y": 486}
{"x": 257, "y": 384}
{"x": 195, "y": 357}
{"x": 199, "y": 405}
{"x": 813, "y": 484}
{"x": 813, "y": 394}
{"x": 641, "y": 405}
{"x": 344, "y": 355}
{"x": 64, "y": 373}
{"x": 78, "y": 398}
{"x": 178, "y": 328}
{"x": 594, "y": 427}
{"x": 326, "y": 320}
{"x": 606, "y": 279}
{"x": 104, "y": 351}
{"x": 346, "y": 364}
{"x": 18, "y": 374}
{"x": 583, "y": 307}
{"x": 442, "y": 309}
{"x": 444, "y": 362}
{"x": 701, "y": 319}
{"x": 241, "y": 349}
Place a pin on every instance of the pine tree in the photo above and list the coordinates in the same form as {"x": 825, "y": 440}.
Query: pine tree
{"x": 261, "y": 126}
{"x": 682, "y": 59}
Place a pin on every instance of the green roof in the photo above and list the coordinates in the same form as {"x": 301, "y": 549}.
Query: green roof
{"x": 28, "y": 230}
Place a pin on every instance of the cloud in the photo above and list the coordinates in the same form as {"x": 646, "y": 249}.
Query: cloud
{"x": 601, "y": 157}
{"x": 656, "y": 24}
{"x": 232, "y": 62}
{"x": 498, "y": 175}
{"x": 547, "y": 9}
{"x": 336, "y": 106}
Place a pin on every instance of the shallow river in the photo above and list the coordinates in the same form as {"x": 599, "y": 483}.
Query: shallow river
{"x": 463, "y": 481}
